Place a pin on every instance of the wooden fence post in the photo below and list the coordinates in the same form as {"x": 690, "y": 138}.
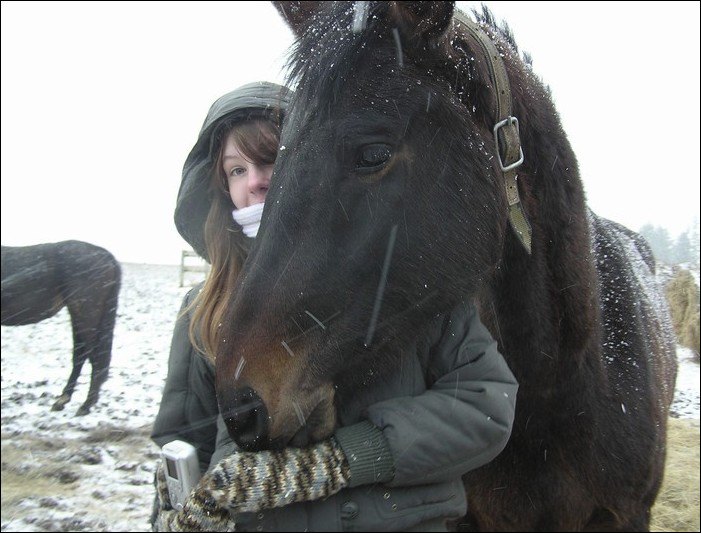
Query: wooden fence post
{"x": 185, "y": 267}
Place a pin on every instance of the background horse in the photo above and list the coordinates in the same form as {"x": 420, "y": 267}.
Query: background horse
{"x": 38, "y": 281}
{"x": 388, "y": 206}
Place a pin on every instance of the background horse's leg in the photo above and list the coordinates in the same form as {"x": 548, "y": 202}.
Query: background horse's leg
{"x": 103, "y": 306}
{"x": 80, "y": 347}
{"x": 65, "y": 397}
{"x": 83, "y": 306}
{"x": 100, "y": 371}
{"x": 86, "y": 337}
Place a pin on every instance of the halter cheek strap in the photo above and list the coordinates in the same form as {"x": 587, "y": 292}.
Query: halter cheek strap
{"x": 506, "y": 133}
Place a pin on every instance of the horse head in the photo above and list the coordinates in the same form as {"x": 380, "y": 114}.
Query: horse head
{"x": 386, "y": 209}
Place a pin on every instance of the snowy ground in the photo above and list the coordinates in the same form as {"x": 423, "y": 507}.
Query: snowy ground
{"x": 66, "y": 473}
{"x": 90, "y": 473}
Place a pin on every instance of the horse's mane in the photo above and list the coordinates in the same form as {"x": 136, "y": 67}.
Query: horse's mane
{"x": 504, "y": 30}
{"x": 505, "y": 33}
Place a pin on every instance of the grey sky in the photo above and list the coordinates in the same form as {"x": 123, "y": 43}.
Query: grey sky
{"x": 101, "y": 102}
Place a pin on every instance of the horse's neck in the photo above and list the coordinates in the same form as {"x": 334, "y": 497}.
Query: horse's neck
{"x": 544, "y": 304}
{"x": 541, "y": 307}
{"x": 545, "y": 324}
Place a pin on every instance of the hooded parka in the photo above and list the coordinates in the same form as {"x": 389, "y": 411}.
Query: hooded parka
{"x": 259, "y": 99}
{"x": 408, "y": 437}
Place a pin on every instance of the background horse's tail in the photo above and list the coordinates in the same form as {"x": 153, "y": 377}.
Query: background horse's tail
{"x": 109, "y": 316}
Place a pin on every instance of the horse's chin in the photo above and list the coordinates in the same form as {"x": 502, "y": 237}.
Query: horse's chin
{"x": 301, "y": 439}
{"x": 319, "y": 425}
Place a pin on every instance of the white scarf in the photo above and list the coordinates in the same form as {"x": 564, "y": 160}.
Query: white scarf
{"x": 249, "y": 219}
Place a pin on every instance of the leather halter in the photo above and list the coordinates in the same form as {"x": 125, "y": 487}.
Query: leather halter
{"x": 506, "y": 133}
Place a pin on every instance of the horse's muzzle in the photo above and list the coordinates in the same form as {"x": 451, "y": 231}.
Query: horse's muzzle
{"x": 246, "y": 419}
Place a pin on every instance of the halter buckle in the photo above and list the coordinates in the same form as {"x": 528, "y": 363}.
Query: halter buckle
{"x": 507, "y": 122}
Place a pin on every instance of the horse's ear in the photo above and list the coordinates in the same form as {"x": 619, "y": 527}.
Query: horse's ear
{"x": 297, "y": 14}
{"x": 422, "y": 23}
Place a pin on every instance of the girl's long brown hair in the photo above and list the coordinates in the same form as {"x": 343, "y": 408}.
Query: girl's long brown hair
{"x": 227, "y": 247}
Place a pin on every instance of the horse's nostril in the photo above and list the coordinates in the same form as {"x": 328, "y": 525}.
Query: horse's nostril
{"x": 246, "y": 419}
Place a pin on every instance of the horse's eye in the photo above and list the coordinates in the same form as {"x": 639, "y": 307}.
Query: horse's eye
{"x": 373, "y": 157}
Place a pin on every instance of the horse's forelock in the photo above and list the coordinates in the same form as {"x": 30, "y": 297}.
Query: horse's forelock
{"x": 325, "y": 55}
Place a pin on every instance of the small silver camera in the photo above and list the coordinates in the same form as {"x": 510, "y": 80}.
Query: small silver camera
{"x": 182, "y": 470}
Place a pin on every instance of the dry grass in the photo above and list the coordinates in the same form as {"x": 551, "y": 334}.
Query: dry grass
{"x": 677, "y": 506}
{"x": 683, "y": 298}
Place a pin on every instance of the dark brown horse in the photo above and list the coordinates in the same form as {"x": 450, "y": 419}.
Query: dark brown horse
{"x": 388, "y": 206}
{"x": 38, "y": 281}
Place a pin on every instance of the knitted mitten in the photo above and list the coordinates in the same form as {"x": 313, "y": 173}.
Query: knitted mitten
{"x": 251, "y": 482}
{"x": 162, "y": 493}
{"x": 161, "y": 500}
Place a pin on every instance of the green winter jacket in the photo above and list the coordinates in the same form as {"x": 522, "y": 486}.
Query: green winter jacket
{"x": 448, "y": 411}
{"x": 408, "y": 438}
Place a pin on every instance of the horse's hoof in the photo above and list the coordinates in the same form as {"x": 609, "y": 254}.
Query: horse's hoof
{"x": 57, "y": 407}
{"x": 83, "y": 411}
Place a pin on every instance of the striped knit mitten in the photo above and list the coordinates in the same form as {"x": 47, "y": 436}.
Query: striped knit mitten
{"x": 250, "y": 482}
{"x": 162, "y": 494}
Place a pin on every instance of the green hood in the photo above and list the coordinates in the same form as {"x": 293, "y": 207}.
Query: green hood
{"x": 194, "y": 197}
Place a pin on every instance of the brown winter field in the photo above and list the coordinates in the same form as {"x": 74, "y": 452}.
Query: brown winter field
{"x": 94, "y": 473}
{"x": 677, "y": 507}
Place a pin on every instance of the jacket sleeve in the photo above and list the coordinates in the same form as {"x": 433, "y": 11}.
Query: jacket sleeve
{"x": 188, "y": 409}
{"x": 462, "y": 421}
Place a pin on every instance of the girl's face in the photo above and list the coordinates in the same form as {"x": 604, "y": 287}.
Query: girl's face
{"x": 248, "y": 182}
